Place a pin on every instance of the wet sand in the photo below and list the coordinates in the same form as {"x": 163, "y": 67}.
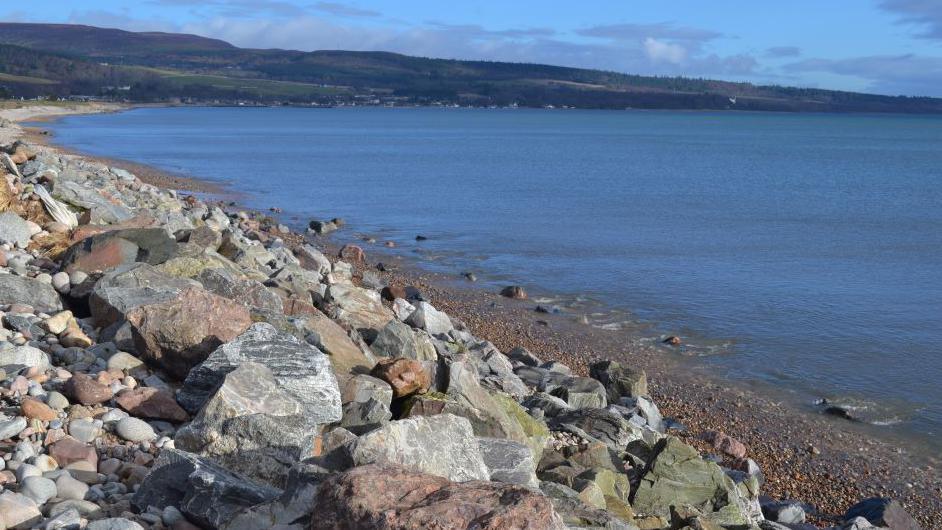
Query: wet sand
{"x": 827, "y": 462}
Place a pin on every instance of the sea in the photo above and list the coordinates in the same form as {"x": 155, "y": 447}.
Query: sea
{"x": 802, "y": 251}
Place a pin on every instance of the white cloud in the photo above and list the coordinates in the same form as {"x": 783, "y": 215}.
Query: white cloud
{"x": 660, "y": 51}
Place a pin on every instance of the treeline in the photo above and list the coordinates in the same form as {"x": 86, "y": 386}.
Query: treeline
{"x": 65, "y": 60}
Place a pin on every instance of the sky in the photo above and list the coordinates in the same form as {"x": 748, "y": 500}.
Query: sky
{"x": 881, "y": 46}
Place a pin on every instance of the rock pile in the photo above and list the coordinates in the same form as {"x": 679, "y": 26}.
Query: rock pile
{"x": 170, "y": 365}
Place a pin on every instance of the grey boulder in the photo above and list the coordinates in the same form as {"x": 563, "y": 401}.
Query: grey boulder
{"x": 205, "y": 492}
{"x": 251, "y": 425}
{"x": 21, "y": 290}
{"x": 299, "y": 369}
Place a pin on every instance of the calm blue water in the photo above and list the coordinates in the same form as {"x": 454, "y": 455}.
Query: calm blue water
{"x": 805, "y": 250}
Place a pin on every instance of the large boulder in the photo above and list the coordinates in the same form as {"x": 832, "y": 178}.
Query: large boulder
{"x": 246, "y": 291}
{"x": 430, "y": 319}
{"x": 399, "y": 340}
{"x": 179, "y": 333}
{"x": 883, "y": 512}
{"x": 99, "y": 206}
{"x": 619, "y": 380}
{"x": 14, "y": 229}
{"x": 130, "y": 286}
{"x": 21, "y": 290}
{"x": 362, "y": 309}
{"x": 298, "y": 368}
{"x": 251, "y": 425}
{"x": 205, "y": 492}
{"x": 509, "y": 461}
{"x": 105, "y": 251}
{"x": 345, "y": 355}
{"x": 602, "y": 425}
{"x": 396, "y": 498}
{"x": 676, "y": 475}
{"x": 441, "y": 445}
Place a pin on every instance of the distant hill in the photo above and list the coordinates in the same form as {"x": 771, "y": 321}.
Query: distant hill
{"x": 71, "y": 60}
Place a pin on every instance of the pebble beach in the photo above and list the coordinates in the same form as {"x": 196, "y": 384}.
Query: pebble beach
{"x": 172, "y": 362}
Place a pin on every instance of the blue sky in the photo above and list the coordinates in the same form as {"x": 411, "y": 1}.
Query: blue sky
{"x": 883, "y": 46}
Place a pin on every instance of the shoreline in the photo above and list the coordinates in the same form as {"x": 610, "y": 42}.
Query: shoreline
{"x": 804, "y": 456}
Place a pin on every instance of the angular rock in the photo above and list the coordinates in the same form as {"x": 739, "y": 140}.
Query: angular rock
{"x": 25, "y": 355}
{"x": 581, "y": 393}
{"x": 108, "y": 250}
{"x": 508, "y": 461}
{"x": 430, "y": 319}
{"x": 313, "y": 260}
{"x": 180, "y": 333}
{"x": 405, "y": 376}
{"x": 398, "y": 340}
{"x": 362, "y": 388}
{"x": 83, "y": 389}
{"x": 248, "y": 292}
{"x": 299, "y": 368}
{"x": 18, "y": 511}
{"x": 883, "y": 512}
{"x": 360, "y": 308}
{"x": 251, "y": 425}
{"x": 601, "y": 425}
{"x": 13, "y": 229}
{"x": 114, "y": 523}
{"x": 441, "y": 445}
{"x": 395, "y": 498}
{"x": 21, "y": 290}
{"x": 125, "y": 288}
{"x": 329, "y": 337}
{"x": 151, "y": 403}
{"x": 676, "y": 475}
{"x": 206, "y": 493}
{"x": 619, "y": 380}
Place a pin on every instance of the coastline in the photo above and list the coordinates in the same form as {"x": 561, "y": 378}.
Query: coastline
{"x": 812, "y": 458}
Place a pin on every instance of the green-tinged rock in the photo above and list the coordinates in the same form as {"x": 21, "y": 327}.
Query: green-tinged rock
{"x": 676, "y": 476}
{"x": 536, "y": 430}
{"x": 611, "y": 484}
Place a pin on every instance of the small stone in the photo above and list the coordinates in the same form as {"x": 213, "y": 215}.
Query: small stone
{"x": 124, "y": 361}
{"x": 61, "y": 282}
{"x": 135, "y": 430}
{"x": 57, "y": 401}
{"x": 84, "y": 429}
{"x": 34, "y": 409}
{"x": 70, "y": 488}
{"x": 39, "y": 489}
{"x": 86, "y": 390}
{"x": 58, "y": 323}
{"x": 10, "y": 427}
